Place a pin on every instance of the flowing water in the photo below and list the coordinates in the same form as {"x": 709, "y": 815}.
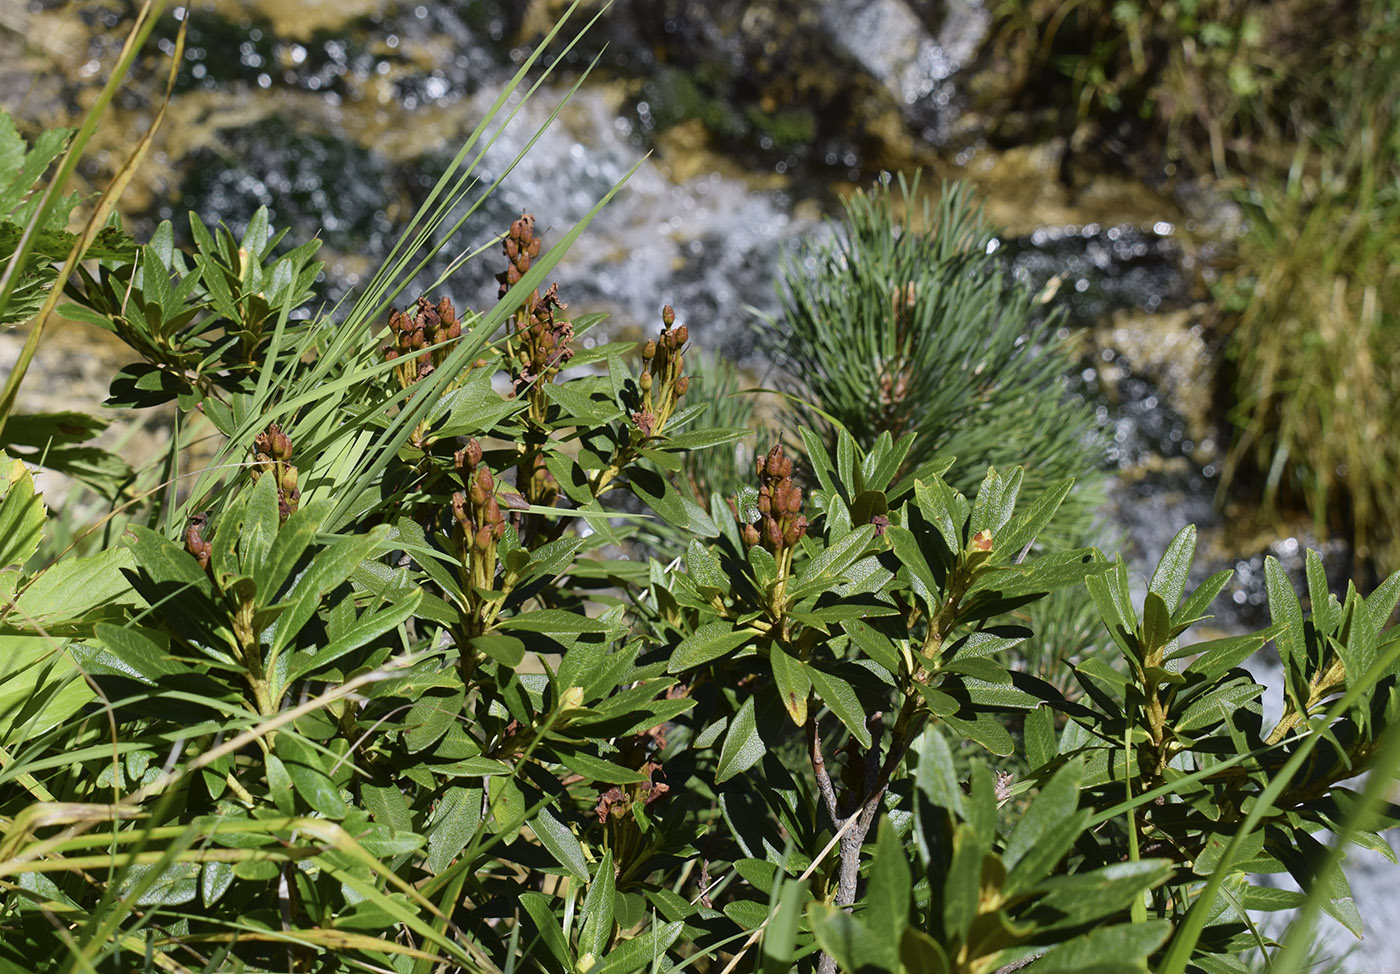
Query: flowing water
{"x": 340, "y": 116}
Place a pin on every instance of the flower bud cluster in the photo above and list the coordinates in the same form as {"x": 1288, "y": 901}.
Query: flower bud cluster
{"x": 542, "y": 344}
{"x": 427, "y": 325}
{"x": 476, "y": 512}
{"x": 663, "y": 380}
{"x": 782, "y": 524}
{"x": 272, "y": 454}
{"x": 521, "y": 246}
{"x": 545, "y": 340}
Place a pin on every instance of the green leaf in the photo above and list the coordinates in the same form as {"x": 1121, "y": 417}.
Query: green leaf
{"x": 840, "y": 698}
{"x": 215, "y": 881}
{"x": 705, "y": 568}
{"x": 542, "y": 913}
{"x": 921, "y": 954}
{"x": 793, "y": 683}
{"x": 985, "y": 730}
{"x": 329, "y": 569}
{"x": 1169, "y": 580}
{"x": 506, "y": 650}
{"x": 701, "y": 439}
{"x": 850, "y": 941}
{"x": 1039, "y": 734}
{"x": 430, "y": 717}
{"x": 365, "y": 630}
{"x": 1025, "y": 528}
{"x": 658, "y": 493}
{"x": 888, "y": 890}
{"x": 562, "y": 844}
{"x": 598, "y": 910}
{"x": 307, "y": 769}
{"x": 1046, "y": 830}
{"x": 455, "y": 822}
{"x": 21, "y": 515}
{"x": 73, "y": 589}
{"x": 826, "y": 568}
{"x": 742, "y": 746}
{"x": 596, "y": 769}
{"x": 780, "y": 936}
{"x": 642, "y": 951}
{"x": 1107, "y": 950}
{"x": 40, "y": 685}
{"x": 555, "y": 622}
{"x": 709, "y": 642}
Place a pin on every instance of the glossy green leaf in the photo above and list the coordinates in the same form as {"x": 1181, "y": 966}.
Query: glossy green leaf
{"x": 794, "y": 684}
{"x": 1169, "y": 579}
{"x": 640, "y": 953}
{"x": 742, "y": 747}
{"x": 709, "y": 642}
{"x": 598, "y": 909}
{"x": 888, "y": 887}
{"x": 562, "y": 844}
{"x": 840, "y": 698}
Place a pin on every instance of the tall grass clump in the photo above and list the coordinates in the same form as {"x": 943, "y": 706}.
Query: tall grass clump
{"x": 393, "y": 679}
{"x": 1312, "y": 306}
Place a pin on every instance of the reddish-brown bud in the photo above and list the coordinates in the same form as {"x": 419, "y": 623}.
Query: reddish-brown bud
{"x": 981, "y": 541}
{"x": 773, "y": 533}
{"x": 750, "y": 535}
{"x": 682, "y": 335}
{"x": 485, "y": 481}
{"x": 668, "y": 315}
{"x": 793, "y": 502}
{"x": 483, "y": 538}
{"x": 649, "y": 350}
{"x": 795, "y": 531}
{"x": 682, "y": 385}
{"x": 459, "y": 508}
{"x": 765, "y": 500}
{"x": 472, "y": 453}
